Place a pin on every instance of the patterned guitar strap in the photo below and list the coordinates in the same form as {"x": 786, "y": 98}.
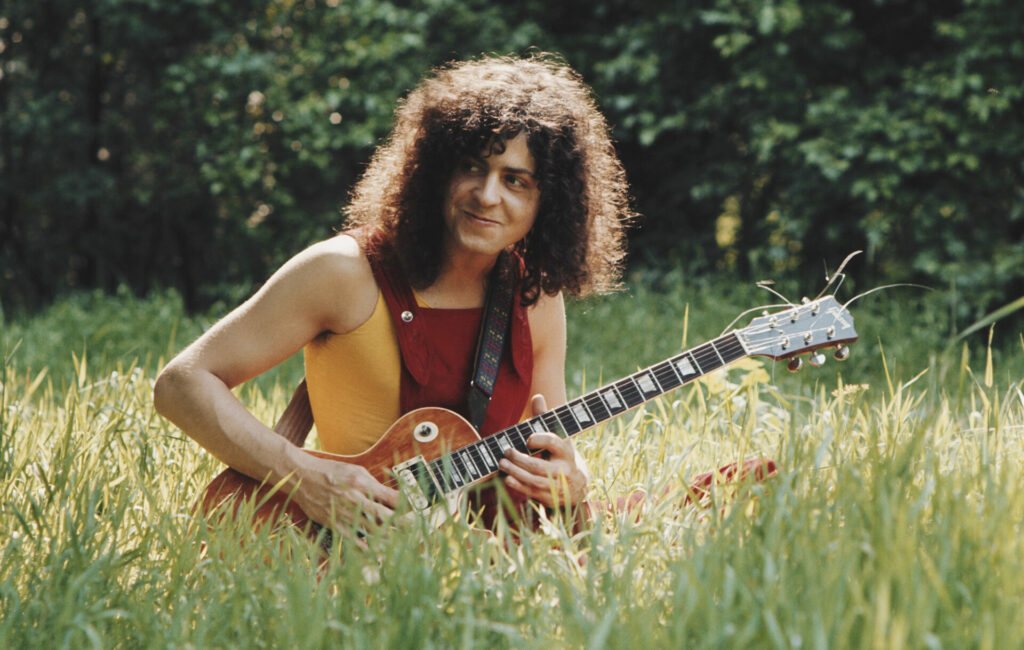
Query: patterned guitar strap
{"x": 491, "y": 339}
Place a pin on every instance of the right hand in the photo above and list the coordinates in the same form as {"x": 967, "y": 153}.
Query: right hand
{"x": 341, "y": 495}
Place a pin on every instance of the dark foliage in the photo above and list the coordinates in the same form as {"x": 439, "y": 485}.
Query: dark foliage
{"x": 198, "y": 144}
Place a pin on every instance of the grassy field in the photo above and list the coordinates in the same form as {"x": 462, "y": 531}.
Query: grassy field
{"x": 894, "y": 522}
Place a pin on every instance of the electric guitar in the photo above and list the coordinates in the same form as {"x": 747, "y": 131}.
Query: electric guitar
{"x": 433, "y": 454}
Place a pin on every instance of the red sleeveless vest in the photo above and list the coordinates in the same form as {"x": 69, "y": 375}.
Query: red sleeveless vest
{"x": 437, "y": 348}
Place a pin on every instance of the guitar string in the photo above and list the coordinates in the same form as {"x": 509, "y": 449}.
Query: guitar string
{"x": 667, "y": 364}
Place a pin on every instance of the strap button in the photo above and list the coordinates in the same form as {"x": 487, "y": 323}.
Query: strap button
{"x": 407, "y": 316}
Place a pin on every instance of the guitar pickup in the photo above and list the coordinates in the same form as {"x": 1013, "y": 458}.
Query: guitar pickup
{"x": 420, "y": 486}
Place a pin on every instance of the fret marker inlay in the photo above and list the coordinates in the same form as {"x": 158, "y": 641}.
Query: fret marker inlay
{"x": 581, "y": 413}
{"x": 685, "y": 367}
{"x": 612, "y": 399}
{"x": 646, "y": 384}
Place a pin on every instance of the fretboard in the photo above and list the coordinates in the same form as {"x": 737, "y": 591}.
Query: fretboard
{"x": 480, "y": 459}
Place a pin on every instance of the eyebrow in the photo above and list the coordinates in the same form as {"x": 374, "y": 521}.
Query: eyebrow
{"x": 510, "y": 170}
{"x": 518, "y": 170}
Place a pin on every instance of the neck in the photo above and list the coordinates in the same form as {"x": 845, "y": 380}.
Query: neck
{"x": 462, "y": 282}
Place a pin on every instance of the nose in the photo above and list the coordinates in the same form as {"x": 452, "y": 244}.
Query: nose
{"x": 488, "y": 192}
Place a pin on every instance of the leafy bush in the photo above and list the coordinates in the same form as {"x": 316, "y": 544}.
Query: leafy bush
{"x": 198, "y": 144}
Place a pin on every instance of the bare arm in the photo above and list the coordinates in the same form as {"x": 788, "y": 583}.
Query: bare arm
{"x": 328, "y": 287}
{"x": 561, "y": 478}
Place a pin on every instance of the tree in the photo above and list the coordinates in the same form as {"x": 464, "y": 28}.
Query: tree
{"x": 198, "y": 144}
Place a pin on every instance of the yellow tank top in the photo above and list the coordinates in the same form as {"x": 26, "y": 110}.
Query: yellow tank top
{"x": 353, "y": 381}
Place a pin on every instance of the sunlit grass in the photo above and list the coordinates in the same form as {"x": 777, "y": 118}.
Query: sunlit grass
{"x": 895, "y": 520}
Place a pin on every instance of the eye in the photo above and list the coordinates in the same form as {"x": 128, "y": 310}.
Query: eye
{"x": 517, "y": 181}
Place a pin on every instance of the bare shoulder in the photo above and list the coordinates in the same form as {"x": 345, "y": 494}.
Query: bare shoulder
{"x": 547, "y": 321}
{"x": 547, "y": 310}
{"x": 336, "y": 275}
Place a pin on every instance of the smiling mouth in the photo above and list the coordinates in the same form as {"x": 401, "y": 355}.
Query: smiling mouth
{"x": 479, "y": 219}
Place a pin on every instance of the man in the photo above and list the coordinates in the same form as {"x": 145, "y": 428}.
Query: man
{"x": 487, "y": 156}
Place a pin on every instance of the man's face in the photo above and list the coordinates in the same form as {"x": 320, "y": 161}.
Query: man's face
{"x": 491, "y": 200}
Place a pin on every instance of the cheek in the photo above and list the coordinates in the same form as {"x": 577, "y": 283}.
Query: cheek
{"x": 454, "y": 189}
{"x": 530, "y": 211}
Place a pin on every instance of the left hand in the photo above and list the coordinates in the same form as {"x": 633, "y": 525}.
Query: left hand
{"x": 555, "y": 480}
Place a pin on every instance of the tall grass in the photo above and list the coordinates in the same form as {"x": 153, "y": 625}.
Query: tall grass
{"x": 894, "y": 522}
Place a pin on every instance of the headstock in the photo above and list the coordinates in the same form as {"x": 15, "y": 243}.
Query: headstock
{"x": 806, "y": 328}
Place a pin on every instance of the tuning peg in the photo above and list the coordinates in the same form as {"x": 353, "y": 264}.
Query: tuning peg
{"x": 794, "y": 364}
{"x": 842, "y": 353}
{"x": 816, "y": 359}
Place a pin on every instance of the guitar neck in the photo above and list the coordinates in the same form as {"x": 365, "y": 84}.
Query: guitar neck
{"x": 480, "y": 459}
{"x": 612, "y": 400}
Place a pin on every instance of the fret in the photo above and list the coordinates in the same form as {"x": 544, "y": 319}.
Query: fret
{"x": 613, "y": 399}
{"x": 713, "y": 347}
{"x": 734, "y": 348}
{"x": 630, "y": 392}
{"x": 686, "y": 366}
{"x": 553, "y": 424}
{"x": 521, "y": 445}
{"x": 707, "y": 357}
{"x": 565, "y": 419}
{"x": 666, "y": 376}
{"x": 449, "y": 476}
{"x": 458, "y": 470}
{"x": 438, "y": 473}
{"x": 648, "y": 384}
{"x": 525, "y": 430}
{"x": 580, "y": 412}
{"x": 456, "y": 467}
{"x": 597, "y": 407}
{"x": 438, "y": 476}
{"x": 471, "y": 463}
{"x": 462, "y": 465}
{"x": 494, "y": 445}
{"x": 487, "y": 455}
{"x": 478, "y": 457}
{"x": 568, "y": 420}
{"x": 504, "y": 444}
{"x": 537, "y": 425}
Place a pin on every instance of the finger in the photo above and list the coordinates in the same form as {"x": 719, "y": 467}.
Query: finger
{"x": 370, "y": 488}
{"x": 538, "y": 477}
{"x": 517, "y": 460}
{"x": 362, "y": 512}
{"x": 538, "y": 404}
{"x": 384, "y": 494}
{"x": 557, "y": 447}
{"x": 517, "y": 487}
{"x": 377, "y": 512}
{"x": 512, "y": 484}
{"x": 547, "y": 492}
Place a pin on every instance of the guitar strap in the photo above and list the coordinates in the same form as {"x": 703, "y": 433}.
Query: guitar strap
{"x": 491, "y": 340}
{"x": 297, "y": 419}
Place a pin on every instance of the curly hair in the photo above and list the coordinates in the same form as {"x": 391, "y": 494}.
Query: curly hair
{"x": 577, "y": 242}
